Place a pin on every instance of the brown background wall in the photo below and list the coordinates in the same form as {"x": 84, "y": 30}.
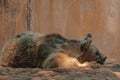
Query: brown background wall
{"x": 70, "y": 18}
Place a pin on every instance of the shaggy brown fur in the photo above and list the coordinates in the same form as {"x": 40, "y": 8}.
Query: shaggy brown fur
{"x": 48, "y": 51}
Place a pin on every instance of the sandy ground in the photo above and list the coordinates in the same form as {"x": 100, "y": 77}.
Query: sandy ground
{"x": 109, "y": 71}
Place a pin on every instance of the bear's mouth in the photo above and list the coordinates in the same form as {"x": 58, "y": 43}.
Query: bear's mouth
{"x": 102, "y": 61}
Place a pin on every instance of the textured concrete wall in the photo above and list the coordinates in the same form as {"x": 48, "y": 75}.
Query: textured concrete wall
{"x": 71, "y": 18}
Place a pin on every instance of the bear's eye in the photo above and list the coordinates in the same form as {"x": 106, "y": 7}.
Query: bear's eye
{"x": 97, "y": 53}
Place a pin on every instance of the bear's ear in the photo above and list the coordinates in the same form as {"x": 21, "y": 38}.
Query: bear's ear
{"x": 88, "y": 35}
{"x": 85, "y": 44}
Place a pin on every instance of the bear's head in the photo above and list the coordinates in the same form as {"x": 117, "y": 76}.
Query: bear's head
{"x": 90, "y": 52}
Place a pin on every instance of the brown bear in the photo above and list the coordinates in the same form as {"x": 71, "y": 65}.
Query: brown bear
{"x": 33, "y": 50}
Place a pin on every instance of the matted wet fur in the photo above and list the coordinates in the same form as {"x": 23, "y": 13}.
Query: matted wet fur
{"x": 49, "y": 51}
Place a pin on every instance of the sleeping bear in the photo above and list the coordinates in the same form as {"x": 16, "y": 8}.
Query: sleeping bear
{"x": 34, "y": 50}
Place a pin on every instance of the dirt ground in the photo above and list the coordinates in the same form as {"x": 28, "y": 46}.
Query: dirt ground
{"x": 109, "y": 71}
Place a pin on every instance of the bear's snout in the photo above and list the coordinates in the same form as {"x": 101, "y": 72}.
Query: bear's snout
{"x": 103, "y": 60}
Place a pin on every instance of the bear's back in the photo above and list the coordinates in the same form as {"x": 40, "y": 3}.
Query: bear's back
{"x": 30, "y": 49}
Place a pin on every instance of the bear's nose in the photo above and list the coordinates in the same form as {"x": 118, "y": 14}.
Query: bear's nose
{"x": 104, "y": 58}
